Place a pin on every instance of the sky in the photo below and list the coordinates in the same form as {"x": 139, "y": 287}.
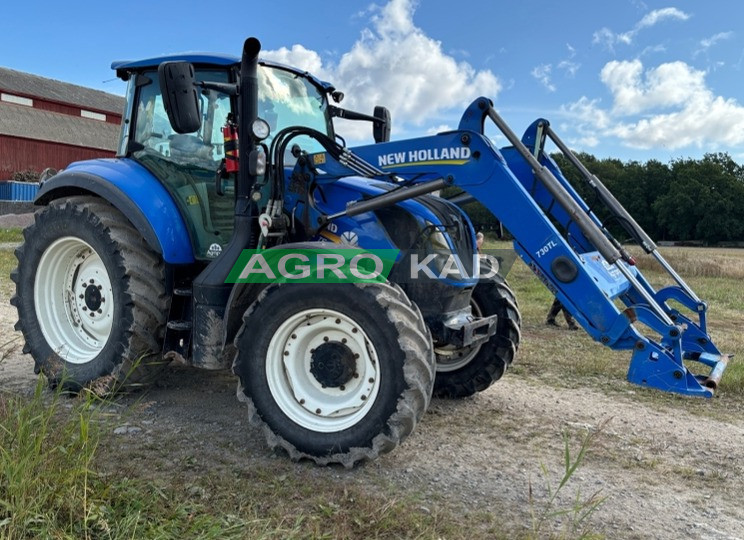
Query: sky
{"x": 627, "y": 79}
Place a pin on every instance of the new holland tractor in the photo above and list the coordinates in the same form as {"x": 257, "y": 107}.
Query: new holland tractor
{"x": 127, "y": 263}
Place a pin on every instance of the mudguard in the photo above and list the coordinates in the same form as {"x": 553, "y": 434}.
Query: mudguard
{"x": 136, "y": 193}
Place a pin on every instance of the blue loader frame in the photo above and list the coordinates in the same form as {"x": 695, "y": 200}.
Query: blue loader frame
{"x": 584, "y": 266}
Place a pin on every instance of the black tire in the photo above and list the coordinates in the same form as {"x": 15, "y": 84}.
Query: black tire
{"x": 390, "y": 326}
{"x": 134, "y": 278}
{"x": 463, "y": 372}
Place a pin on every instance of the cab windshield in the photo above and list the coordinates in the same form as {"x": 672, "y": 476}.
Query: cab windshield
{"x": 286, "y": 99}
{"x": 188, "y": 164}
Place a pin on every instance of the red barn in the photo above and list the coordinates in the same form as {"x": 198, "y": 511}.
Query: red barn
{"x": 47, "y": 123}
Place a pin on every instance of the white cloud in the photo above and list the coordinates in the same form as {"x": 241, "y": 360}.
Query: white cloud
{"x": 667, "y": 85}
{"x": 439, "y": 129}
{"x": 659, "y": 48}
{"x": 542, "y": 74}
{"x": 654, "y": 17}
{"x": 720, "y": 36}
{"x": 666, "y": 106}
{"x": 394, "y": 63}
{"x": 608, "y": 38}
{"x": 707, "y": 43}
{"x": 298, "y": 56}
{"x": 588, "y": 113}
{"x": 569, "y": 67}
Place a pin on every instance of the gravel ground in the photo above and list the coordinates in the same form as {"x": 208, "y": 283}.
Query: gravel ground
{"x": 9, "y": 221}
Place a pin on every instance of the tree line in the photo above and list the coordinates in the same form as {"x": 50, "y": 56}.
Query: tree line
{"x": 699, "y": 200}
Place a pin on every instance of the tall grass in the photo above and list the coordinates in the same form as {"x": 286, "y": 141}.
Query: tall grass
{"x": 45, "y": 459}
{"x": 49, "y": 489}
{"x": 696, "y": 262}
{"x": 574, "y": 515}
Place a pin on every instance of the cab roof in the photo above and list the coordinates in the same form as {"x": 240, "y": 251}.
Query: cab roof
{"x": 122, "y": 67}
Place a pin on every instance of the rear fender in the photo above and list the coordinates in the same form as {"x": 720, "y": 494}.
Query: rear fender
{"x": 136, "y": 193}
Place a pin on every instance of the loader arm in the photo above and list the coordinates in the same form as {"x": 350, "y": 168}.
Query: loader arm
{"x": 561, "y": 241}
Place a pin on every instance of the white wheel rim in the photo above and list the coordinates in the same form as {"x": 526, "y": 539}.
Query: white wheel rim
{"x": 450, "y": 358}
{"x": 294, "y": 376}
{"x": 73, "y": 300}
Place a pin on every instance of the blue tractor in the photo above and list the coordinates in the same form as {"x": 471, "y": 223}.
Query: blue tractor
{"x": 126, "y": 266}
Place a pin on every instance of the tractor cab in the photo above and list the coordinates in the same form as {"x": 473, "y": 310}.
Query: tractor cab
{"x": 192, "y": 166}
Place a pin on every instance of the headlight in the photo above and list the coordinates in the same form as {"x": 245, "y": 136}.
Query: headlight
{"x": 436, "y": 238}
{"x": 257, "y": 162}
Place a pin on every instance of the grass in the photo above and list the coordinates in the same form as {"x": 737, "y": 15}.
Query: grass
{"x": 576, "y": 513}
{"x": 11, "y": 235}
{"x": 7, "y": 263}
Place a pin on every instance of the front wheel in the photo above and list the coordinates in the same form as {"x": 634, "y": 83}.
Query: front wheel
{"x": 337, "y": 373}
{"x": 461, "y": 372}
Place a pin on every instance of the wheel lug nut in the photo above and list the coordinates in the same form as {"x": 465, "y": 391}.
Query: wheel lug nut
{"x": 317, "y": 411}
{"x": 92, "y": 281}
{"x": 286, "y": 353}
{"x": 364, "y": 398}
{"x": 100, "y": 311}
{"x": 343, "y": 340}
{"x": 85, "y": 308}
{"x": 338, "y": 321}
{"x": 342, "y": 387}
{"x": 371, "y": 380}
{"x": 325, "y": 338}
{"x": 354, "y": 330}
{"x": 100, "y": 287}
{"x": 81, "y": 296}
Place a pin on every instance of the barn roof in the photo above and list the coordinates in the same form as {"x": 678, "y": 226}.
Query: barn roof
{"x": 18, "y": 82}
{"x": 37, "y": 124}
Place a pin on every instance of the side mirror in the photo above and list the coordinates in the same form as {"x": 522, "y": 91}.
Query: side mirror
{"x": 180, "y": 96}
{"x": 381, "y": 126}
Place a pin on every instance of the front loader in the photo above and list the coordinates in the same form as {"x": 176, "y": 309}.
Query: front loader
{"x": 133, "y": 261}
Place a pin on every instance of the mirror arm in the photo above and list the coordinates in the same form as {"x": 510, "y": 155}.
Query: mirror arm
{"x": 225, "y": 88}
{"x": 351, "y": 115}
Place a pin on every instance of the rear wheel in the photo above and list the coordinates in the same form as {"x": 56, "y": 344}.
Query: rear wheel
{"x": 334, "y": 373}
{"x": 90, "y": 295}
{"x": 463, "y": 372}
